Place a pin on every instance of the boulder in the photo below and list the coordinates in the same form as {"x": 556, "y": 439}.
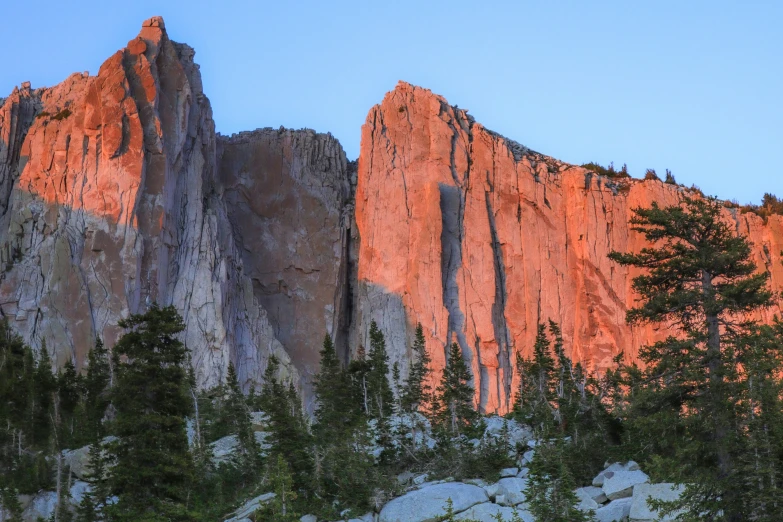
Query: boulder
{"x": 617, "y": 510}
{"x": 518, "y": 434}
{"x": 258, "y": 420}
{"x": 640, "y": 511}
{"x": 488, "y": 512}
{"x": 42, "y": 506}
{"x": 523, "y": 473}
{"x": 598, "y": 481}
{"x": 77, "y": 491}
{"x": 308, "y": 518}
{"x": 509, "y": 472}
{"x": 223, "y": 448}
{"x": 513, "y": 489}
{"x": 421, "y": 479}
{"x": 429, "y": 503}
{"x": 620, "y": 484}
{"x": 586, "y": 503}
{"x": 250, "y": 507}
{"x": 594, "y": 493}
{"x": 77, "y": 460}
{"x": 527, "y": 458}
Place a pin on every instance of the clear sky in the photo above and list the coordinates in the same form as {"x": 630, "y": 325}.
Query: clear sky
{"x": 694, "y": 86}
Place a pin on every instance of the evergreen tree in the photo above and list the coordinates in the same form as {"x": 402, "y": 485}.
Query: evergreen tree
{"x": 343, "y": 466}
{"x": 358, "y": 370}
{"x": 281, "y": 508}
{"x": 238, "y": 415}
{"x": 416, "y": 395}
{"x": 550, "y": 491}
{"x": 337, "y": 408}
{"x": 96, "y": 391}
{"x": 380, "y": 395}
{"x": 700, "y": 281}
{"x": 534, "y": 402}
{"x": 454, "y": 396}
{"x": 152, "y": 471}
{"x": 70, "y": 407}
{"x": 42, "y": 412}
{"x": 288, "y": 430}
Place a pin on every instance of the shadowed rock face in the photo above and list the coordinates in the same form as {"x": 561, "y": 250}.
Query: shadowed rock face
{"x": 115, "y": 192}
{"x": 288, "y": 196}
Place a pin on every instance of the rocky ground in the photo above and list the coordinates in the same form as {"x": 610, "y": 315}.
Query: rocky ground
{"x": 618, "y": 493}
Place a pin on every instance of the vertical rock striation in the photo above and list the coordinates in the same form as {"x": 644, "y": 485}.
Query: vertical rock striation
{"x": 480, "y": 239}
{"x": 115, "y": 192}
{"x": 114, "y": 203}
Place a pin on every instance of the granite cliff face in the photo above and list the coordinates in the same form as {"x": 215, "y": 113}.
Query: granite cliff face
{"x": 116, "y": 192}
{"x": 111, "y": 202}
{"x": 479, "y": 239}
{"x": 288, "y": 195}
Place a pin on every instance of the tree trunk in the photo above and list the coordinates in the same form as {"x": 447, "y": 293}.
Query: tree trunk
{"x": 717, "y": 393}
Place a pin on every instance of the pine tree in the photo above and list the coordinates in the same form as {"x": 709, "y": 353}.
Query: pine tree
{"x": 96, "y": 391}
{"x": 454, "y": 396}
{"x": 338, "y": 408}
{"x": 381, "y": 397}
{"x": 42, "y": 412}
{"x": 238, "y": 415}
{"x": 94, "y": 501}
{"x": 344, "y": 469}
{"x": 416, "y": 395}
{"x": 550, "y": 491}
{"x": 699, "y": 280}
{"x": 70, "y": 395}
{"x": 288, "y": 430}
{"x": 152, "y": 471}
{"x": 281, "y": 507}
{"x": 534, "y": 402}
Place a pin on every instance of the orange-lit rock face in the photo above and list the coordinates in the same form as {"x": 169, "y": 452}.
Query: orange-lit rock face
{"x": 109, "y": 204}
{"x": 116, "y": 192}
{"x": 479, "y": 239}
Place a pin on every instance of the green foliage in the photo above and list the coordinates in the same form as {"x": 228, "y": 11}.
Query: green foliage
{"x": 609, "y": 171}
{"x": 152, "y": 470}
{"x": 563, "y": 404}
{"x": 651, "y": 175}
{"x": 289, "y": 433}
{"x": 693, "y": 411}
{"x": 670, "y": 178}
{"x": 93, "y": 504}
{"x": 551, "y": 483}
{"x": 416, "y": 395}
{"x": 379, "y": 392}
{"x": 96, "y": 391}
{"x": 63, "y": 114}
{"x": 346, "y": 472}
{"x": 281, "y": 508}
{"x": 454, "y": 406}
{"x": 770, "y": 205}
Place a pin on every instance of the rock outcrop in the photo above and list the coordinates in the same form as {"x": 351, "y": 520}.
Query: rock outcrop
{"x": 289, "y": 201}
{"x": 116, "y": 192}
{"x": 480, "y": 239}
{"x": 111, "y": 201}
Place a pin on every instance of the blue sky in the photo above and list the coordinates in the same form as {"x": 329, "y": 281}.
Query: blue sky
{"x": 691, "y": 86}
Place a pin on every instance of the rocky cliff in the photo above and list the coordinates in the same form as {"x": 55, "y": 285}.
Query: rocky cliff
{"x": 479, "y": 239}
{"x": 111, "y": 201}
{"x": 116, "y": 192}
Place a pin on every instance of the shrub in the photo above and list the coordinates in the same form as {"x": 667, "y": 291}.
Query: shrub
{"x": 609, "y": 171}
{"x": 62, "y": 114}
